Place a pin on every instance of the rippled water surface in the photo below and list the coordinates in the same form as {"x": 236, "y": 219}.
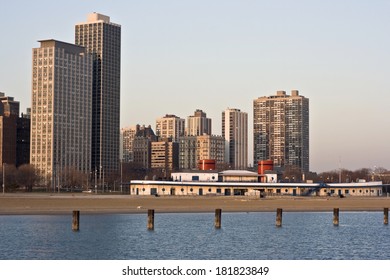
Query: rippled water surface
{"x": 360, "y": 235}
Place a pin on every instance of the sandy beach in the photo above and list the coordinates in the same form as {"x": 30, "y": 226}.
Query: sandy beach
{"x": 90, "y": 203}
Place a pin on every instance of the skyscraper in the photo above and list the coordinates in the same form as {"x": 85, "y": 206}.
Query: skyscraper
{"x": 128, "y": 135}
{"x": 165, "y": 156}
{"x": 198, "y": 124}
{"x": 281, "y": 130}
{"x": 61, "y": 109}
{"x": 170, "y": 126}
{"x": 23, "y": 132}
{"x": 235, "y": 132}
{"x": 9, "y": 113}
{"x": 195, "y": 148}
{"x": 102, "y": 39}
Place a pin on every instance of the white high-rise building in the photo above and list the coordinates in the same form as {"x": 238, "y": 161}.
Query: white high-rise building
{"x": 235, "y": 132}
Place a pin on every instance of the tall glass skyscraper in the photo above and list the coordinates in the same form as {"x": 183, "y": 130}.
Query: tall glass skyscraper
{"x": 102, "y": 39}
{"x": 281, "y": 130}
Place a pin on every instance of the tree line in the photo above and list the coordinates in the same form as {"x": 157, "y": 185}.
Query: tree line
{"x": 26, "y": 178}
{"x": 341, "y": 175}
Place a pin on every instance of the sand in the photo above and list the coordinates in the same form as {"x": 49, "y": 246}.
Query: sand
{"x": 91, "y": 203}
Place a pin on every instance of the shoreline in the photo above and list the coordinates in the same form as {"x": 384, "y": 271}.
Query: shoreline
{"x": 56, "y": 204}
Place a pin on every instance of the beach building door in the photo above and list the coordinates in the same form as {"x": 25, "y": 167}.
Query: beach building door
{"x": 172, "y": 191}
{"x": 200, "y": 191}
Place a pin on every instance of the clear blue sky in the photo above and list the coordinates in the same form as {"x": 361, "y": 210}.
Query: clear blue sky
{"x": 179, "y": 56}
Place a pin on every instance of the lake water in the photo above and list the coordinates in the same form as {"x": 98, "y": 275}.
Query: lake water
{"x": 243, "y": 236}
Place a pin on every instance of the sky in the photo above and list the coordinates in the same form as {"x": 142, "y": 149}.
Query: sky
{"x": 183, "y": 55}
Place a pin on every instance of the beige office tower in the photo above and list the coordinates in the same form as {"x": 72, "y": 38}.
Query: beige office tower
{"x": 102, "y": 39}
{"x": 170, "y": 127}
{"x": 61, "y": 110}
{"x": 198, "y": 124}
{"x": 281, "y": 130}
{"x": 235, "y": 132}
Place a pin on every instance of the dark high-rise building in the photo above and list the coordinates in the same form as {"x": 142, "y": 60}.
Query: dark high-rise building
{"x": 281, "y": 130}
{"x": 9, "y": 113}
{"x": 102, "y": 39}
{"x": 23, "y": 139}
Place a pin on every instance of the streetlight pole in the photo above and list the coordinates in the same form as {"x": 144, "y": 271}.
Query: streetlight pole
{"x": 3, "y": 178}
{"x": 95, "y": 181}
{"x": 121, "y": 176}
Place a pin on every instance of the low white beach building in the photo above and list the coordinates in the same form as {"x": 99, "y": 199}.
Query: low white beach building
{"x": 144, "y": 187}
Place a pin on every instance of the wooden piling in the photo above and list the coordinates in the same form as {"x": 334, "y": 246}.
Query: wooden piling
{"x": 336, "y": 212}
{"x": 279, "y": 213}
{"x": 386, "y": 216}
{"x": 218, "y": 218}
{"x": 76, "y": 221}
{"x": 151, "y": 219}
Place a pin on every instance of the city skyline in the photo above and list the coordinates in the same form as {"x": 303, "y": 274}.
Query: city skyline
{"x": 178, "y": 57}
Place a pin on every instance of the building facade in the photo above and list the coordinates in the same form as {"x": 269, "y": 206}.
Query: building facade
{"x": 281, "y": 130}
{"x": 198, "y": 124}
{"x": 23, "y": 130}
{"x": 195, "y": 148}
{"x": 165, "y": 156}
{"x": 209, "y": 187}
{"x": 102, "y": 39}
{"x": 128, "y": 135}
{"x": 170, "y": 126}
{"x": 9, "y": 114}
{"x": 235, "y": 133}
{"x": 61, "y": 109}
{"x": 142, "y": 146}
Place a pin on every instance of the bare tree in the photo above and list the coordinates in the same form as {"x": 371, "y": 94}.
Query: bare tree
{"x": 27, "y": 177}
{"x": 362, "y": 174}
{"x": 382, "y": 174}
{"x": 292, "y": 173}
{"x": 71, "y": 177}
{"x": 329, "y": 176}
{"x": 9, "y": 177}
